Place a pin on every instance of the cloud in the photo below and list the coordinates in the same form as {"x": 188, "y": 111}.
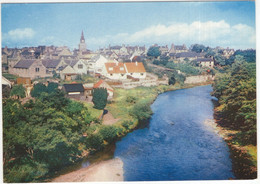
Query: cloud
{"x": 20, "y": 34}
{"x": 211, "y": 33}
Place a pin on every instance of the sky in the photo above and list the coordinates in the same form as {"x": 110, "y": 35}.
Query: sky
{"x": 225, "y": 24}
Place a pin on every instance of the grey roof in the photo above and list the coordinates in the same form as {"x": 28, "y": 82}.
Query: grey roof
{"x": 49, "y": 63}
{"x": 73, "y": 88}
{"x": 71, "y": 62}
{"x": 187, "y": 54}
{"x": 204, "y": 59}
{"x": 115, "y": 47}
{"x": 180, "y": 47}
{"x": 24, "y": 63}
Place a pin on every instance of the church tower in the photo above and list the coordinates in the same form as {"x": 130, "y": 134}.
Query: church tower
{"x": 82, "y": 44}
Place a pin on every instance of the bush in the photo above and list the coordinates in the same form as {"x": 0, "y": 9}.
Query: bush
{"x": 109, "y": 133}
{"x": 127, "y": 124}
{"x": 141, "y": 111}
{"x": 131, "y": 99}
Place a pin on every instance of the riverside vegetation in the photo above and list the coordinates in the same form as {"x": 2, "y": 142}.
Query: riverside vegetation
{"x": 51, "y": 131}
{"x": 236, "y": 113}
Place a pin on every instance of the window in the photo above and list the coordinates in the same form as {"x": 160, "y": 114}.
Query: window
{"x": 111, "y": 74}
{"x": 131, "y": 73}
{"x": 142, "y": 73}
{"x": 80, "y": 66}
{"x": 37, "y": 69}
{"x": 122, "y": 75}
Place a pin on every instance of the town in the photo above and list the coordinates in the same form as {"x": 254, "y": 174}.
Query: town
{"x": 109, "y": 67}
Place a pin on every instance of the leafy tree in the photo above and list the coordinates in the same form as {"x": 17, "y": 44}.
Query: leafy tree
{"x": 18, "y": 90}
{"x": 154, "y": 52}
{"x": 248, "y": 55}
{"x": 51, "y": 87}
{"x": 6, "y": 90}
{"x": 38, "y": 89}
{"x": 236, "y": 92}
{"x": 172, "y": 80}
{"x": 220, "y": 59}
{"x": 198, "y": 48}
{"x": 42, "y": 135}
{"x": 99, "y": 98}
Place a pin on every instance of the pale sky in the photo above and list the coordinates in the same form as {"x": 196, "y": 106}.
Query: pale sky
{"x": 226, "y": 24}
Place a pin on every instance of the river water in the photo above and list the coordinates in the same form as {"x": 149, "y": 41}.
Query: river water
{"x": 176, "y": 145}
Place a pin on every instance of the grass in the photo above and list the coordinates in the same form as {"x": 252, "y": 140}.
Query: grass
{"x": 94, "y": 112}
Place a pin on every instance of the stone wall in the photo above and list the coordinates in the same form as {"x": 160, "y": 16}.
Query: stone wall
{"x": 198, "y": 79}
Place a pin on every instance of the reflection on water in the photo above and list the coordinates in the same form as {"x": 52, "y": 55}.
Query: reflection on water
{"x": 176, "y": 145}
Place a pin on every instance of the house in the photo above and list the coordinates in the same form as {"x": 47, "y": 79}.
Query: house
{"x": 178, "y": 48}
{"x": 32, "y": 68}
{"x": 136, "y": 70}
{"x": 206, "y": 62}
{"x": 88, "y": 89}
{"x": 74, "y": 91}
{"x": 228, "y": 52}
{"x": 164, "y": 50}
{"x": 51, "y": 65}
{"x": 103, "y": 84}
{"x": 99, "y": 63}
{"x": 67, "y": 73}
{"x": 182, "y": 56}
{"x": 80, "y": 67}
{"x": 114, "y": 71}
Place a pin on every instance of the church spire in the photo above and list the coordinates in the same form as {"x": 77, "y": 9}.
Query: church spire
{"x": 82, "y": 37}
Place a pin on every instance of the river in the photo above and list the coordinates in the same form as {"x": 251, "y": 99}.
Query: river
{"x": 176, "y": 145}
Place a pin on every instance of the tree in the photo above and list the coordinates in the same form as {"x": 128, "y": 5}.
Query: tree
{"x": 100, "y": 98}
{"x": 154, "y": 52}
{"x": 38, "y": 89}
{"x": 6, "y": 90}
{"x": 198, "y": 48}
{"x": 172, "y": 80}
{"x": 18, "y": 90}
{"x": 51, "y": 87}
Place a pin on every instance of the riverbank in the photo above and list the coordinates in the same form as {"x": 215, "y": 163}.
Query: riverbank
{"x": 110, "y": 170}
{"x": 119, "y": 108}
{"x": 244, "y": 159}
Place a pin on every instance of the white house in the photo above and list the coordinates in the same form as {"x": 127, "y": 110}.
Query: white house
{"x": 114, "y": 71}
{"x": 80, "y": 67}
{"x": 99, "y": 63}
{"x": 68, "y": 73}
{"x": 136, "y": 70}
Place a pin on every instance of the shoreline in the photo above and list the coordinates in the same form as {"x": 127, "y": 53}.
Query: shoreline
{"x": 109, "y": 170}
{"x": 107, "y": 165}
{"x": 242, "y": 165}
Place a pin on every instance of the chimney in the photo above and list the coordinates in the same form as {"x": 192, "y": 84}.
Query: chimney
{"x": 136, "y": 63}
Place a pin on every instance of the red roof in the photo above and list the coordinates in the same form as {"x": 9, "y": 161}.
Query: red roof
{"x": 136, "y": 67}
{"x": 98, "y": 84}
{"x": 115, "y": 67}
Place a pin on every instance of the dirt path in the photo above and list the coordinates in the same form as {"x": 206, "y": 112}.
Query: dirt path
{"x": 110, "y": 170}
{"x": 108, "y": 119}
